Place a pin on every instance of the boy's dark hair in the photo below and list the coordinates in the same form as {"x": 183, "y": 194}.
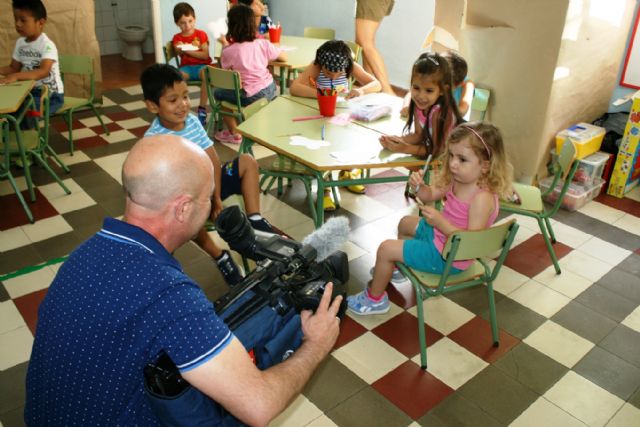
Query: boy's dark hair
{"x": 242, "y": 24}
{"x": 334, "y": 53}
{"x": 437, "y": 68}
{"x": 459, "y": 67}
{"x": 36, "y": 7}
{"x": 156, "y": 79}
{"x": 246, "y": 2}
{"x": 182, "y": 9}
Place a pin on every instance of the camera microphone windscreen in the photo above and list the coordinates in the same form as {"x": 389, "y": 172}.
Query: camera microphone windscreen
{"x": 329, "y": 237}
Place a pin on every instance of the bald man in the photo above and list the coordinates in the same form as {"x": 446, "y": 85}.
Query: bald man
{"x": 121, "y": 300}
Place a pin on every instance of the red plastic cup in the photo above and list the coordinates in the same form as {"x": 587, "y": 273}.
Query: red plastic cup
{"x": 327, "y": 104}
{"x": 274, "y": 34}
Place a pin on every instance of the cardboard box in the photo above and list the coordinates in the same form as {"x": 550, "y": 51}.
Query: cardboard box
{"x": 587, "y": 139}
{"x": 626, "y": 172}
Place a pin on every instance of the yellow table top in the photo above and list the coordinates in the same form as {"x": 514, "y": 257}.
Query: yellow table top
{"x": 344, "y": 146}
{"x": 13, "y": 94}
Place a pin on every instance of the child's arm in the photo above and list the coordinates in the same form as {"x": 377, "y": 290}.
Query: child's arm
{"x": 203, "y": 53}
{"x": 302, "y": 85}
{"x": 368, "y": 83}
{"x": 466, "y": 97}
{"x": 216, "y": 205}
{"x": 282, "y": 56}
{"x": 36, "y": 74}
{"x": 480, "y": 208}
{"x": 426, "y": 193}
{"x": 410, "y": 143}
{"x": 12, "y": 68}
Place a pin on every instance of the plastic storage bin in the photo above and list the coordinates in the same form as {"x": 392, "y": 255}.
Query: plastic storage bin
{"x": 587, "y": 138}
{"x": 591, "y": 167}
{"x": 577, "y": 195}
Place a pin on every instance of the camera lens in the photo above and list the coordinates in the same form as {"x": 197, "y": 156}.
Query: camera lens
{"x": 233, "y": 226}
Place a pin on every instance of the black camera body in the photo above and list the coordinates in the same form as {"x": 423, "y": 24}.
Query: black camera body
{"x": 287, "y": 275}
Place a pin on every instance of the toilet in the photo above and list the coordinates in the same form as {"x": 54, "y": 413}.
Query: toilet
{"x": 133, "y": 36}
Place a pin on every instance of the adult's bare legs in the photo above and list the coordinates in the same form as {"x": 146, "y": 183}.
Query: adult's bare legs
{"x": 371, "y": 58}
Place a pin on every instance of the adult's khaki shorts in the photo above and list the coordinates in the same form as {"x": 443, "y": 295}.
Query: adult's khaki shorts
{"x": 373, "y": 10}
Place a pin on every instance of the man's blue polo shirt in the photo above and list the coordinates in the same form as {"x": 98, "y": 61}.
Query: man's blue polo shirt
{"x": 116, "y": 303}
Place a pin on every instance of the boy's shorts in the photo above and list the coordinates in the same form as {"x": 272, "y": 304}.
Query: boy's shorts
{"x": 230, "y": 179}
{"x": 56, "y": 100}
{"x": 229, "y": 95}
{"x": 373, "y": 10}
{"x": 193, "y": 71}
{"x": 421, "y": 253}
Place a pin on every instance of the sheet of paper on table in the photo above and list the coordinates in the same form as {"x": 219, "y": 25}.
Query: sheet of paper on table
{"x": 311, "y": 144}
{"x": 287, "y": 48}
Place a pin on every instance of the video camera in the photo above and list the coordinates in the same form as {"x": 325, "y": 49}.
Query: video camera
{"x": 288, "y": 274}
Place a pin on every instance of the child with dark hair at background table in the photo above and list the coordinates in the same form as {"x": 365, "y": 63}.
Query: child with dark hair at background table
{"x": 35, "y": 56}
{"x": 192, "y": 46}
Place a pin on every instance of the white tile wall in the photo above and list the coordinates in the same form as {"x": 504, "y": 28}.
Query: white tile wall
{"x": 129, "y": 12}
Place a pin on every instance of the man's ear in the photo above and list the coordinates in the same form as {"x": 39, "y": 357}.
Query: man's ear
{"x": 151, "y": 106}
{"x": 182, "y": 208}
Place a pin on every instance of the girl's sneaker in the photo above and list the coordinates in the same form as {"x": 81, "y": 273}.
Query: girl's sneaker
{"x": 362, "y": 305}
{"x": 228, "y": 137}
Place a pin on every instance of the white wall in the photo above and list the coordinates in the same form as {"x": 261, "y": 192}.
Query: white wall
{"x": 399, "y": 38}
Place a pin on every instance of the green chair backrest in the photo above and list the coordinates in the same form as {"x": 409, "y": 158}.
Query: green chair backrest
{"x": 356, "y": 50}
{"x": 81, "y": 65}
{"x": 479, "y": 103}
{"x": 480, "y": 243}
{"x": 170, "y": 53}
{"x": 566, "y": 157}
{"x": 320, "y": 33}
{"x": 223, "y": 79}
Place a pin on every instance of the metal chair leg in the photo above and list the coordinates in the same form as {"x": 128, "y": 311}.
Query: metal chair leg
{"x": 547, "y": 242}
{"x": 492, "y": 315}
{"x": 550, "y": 229}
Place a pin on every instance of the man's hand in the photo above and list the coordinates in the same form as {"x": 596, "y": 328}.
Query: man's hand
{"x": 322, "y": 328}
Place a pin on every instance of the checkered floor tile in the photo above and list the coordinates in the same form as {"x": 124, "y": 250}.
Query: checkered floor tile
{"x": 569, "y": 349}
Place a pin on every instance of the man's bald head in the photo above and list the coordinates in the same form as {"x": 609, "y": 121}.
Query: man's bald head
{"x": 162, "y": 167}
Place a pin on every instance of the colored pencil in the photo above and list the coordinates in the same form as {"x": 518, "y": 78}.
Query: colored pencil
{"x": 303, "y": 118}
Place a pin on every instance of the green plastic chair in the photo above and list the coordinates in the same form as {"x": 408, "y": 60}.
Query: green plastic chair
{"x": 531, "y": 197}
{"x": 170, "y": 53}
{"x": 479, "y": 104}
{"x": 81, "y": 65}
{"x": 479, "y": 245}
{"x": 319, "y": 33}
{"x": 219, "y": 78}
{"x": 5, "y": 168}
{"x": 356, "y": 50}
{"x": 313, "y": 33}
{"x": 34, "y": 143}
